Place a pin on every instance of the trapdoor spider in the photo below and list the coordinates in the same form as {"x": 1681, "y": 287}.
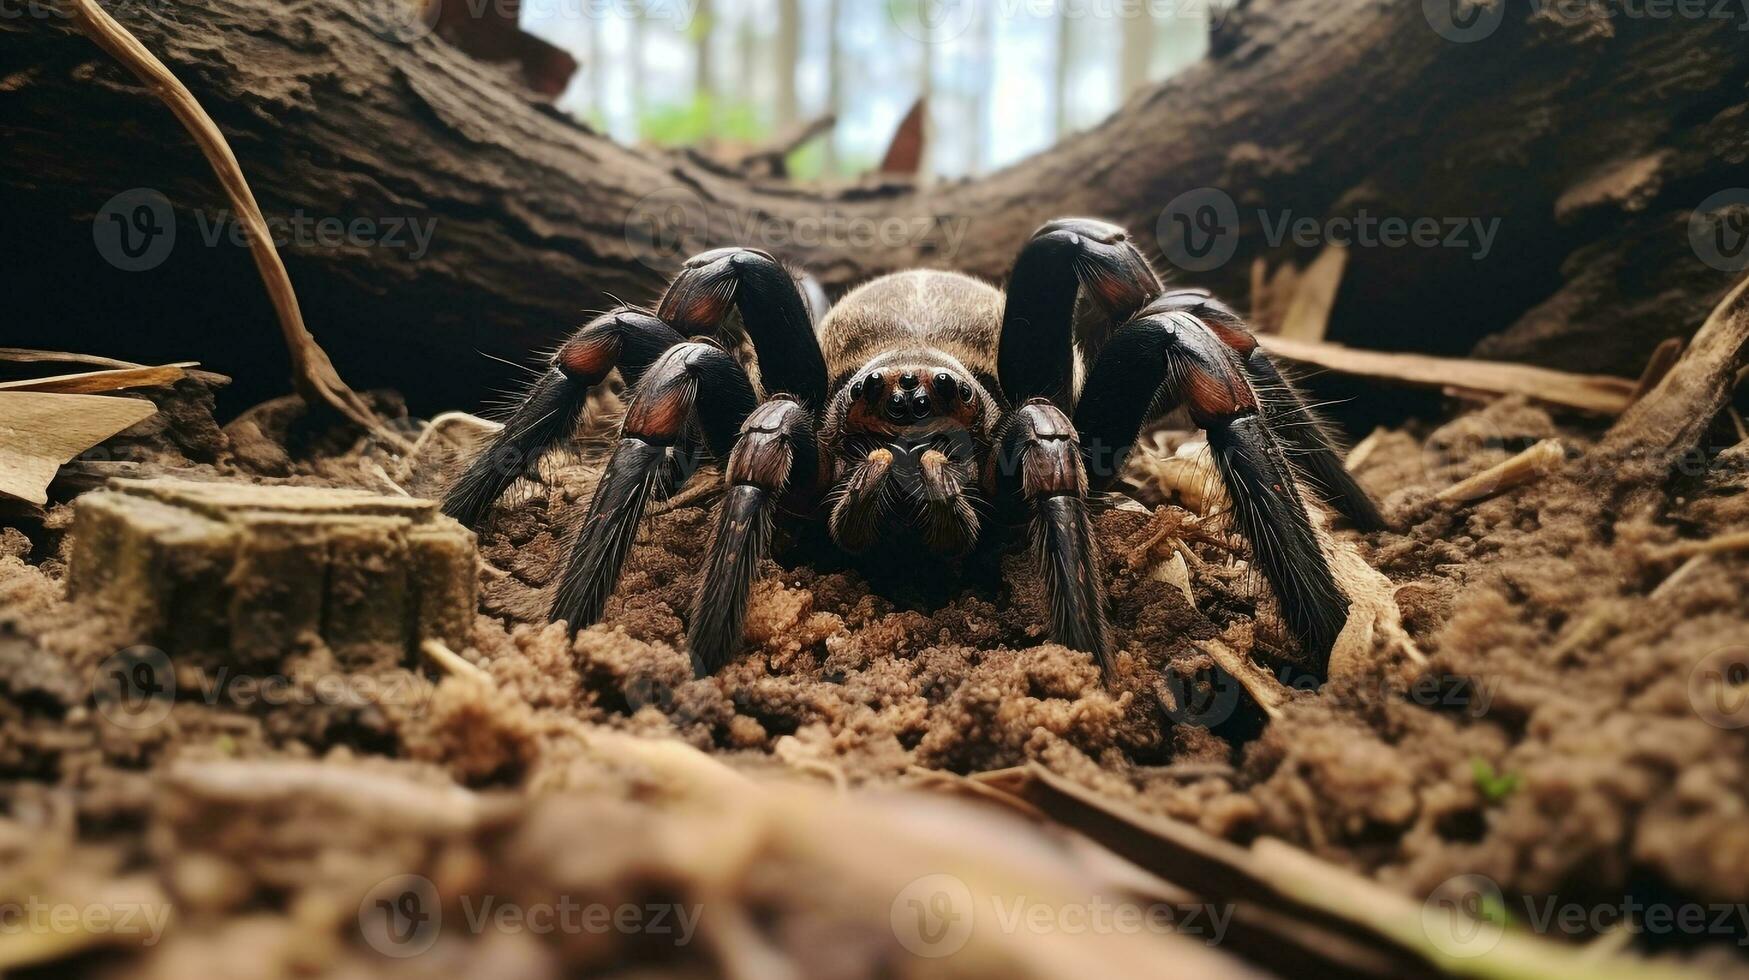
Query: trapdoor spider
{"x": 923, "y": 413}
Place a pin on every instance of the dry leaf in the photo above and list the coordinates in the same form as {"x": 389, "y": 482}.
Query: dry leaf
{"x": 39, "y": 431}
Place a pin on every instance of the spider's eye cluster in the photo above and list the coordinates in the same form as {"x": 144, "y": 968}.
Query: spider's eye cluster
{"x": 907, "y": 395}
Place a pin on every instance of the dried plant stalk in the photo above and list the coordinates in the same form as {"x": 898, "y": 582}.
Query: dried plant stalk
{"x": 313, "y": 373}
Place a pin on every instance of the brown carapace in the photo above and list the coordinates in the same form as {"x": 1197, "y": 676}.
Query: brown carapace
{"x": 929, "y": 414}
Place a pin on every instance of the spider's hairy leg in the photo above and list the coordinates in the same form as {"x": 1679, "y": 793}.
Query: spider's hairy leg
{"x": 1040, "y": 459}
{"x": 862, "y": 499}
{"x": 1066, "y": 259}
{"x": 1314, "y": 446}
{"x": 775, "y": 315}
{"x": 1167, "y": 357}
{"x": 689, "y": 381}
{"x": 553, "y": 405}
{"x": 776, "y": 449}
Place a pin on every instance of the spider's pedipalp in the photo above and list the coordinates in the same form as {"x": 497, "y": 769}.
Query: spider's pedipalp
{"x": 775, "y": 449}
{"x": 1040, "y": 462}
{"x": 863, "y": 497}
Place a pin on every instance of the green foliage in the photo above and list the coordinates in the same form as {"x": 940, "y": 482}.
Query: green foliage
{"x": 1493, "y": 786}
{"x": 703, "y": 117}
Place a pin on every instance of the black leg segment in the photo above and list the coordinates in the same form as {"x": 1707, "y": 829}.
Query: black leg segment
{"x": 553, "y": 405}
{"x": 1064, "y": 260}
{"x": 1169, "y": 357}
{"x": 776, "y": 449}
{"x": 775, "y": 315}
{"x": 689, "y": 380}
{"x": 1040, "y": 462}
{"x": 1307, "y": 438}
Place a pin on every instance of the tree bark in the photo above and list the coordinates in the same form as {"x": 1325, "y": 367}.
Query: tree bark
{"x": 1591, "y": 138}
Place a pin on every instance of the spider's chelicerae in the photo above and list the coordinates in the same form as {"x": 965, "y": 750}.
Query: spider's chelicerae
{"x": 926, "y": 413}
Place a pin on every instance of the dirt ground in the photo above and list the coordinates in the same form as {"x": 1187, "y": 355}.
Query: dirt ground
{"x": 1542, "y": 717}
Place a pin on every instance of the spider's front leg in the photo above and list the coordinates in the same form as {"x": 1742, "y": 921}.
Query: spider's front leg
{"x": 1166, "y": 357}
{"x": 1039, "y": 461}
{"x": 1074, "y": 258}
{"x": 551, "y": 408}
{"x": 774, "y": 457}
{"x": 689, "y": 381}
{"x": 773, "y": 313}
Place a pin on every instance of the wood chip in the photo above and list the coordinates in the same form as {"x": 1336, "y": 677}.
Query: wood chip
{"x": 1314, "y": 296}
{"x": 1269, "y": 693}
{"x": 1601, "y": 394}
{"x": 40, "y": 431}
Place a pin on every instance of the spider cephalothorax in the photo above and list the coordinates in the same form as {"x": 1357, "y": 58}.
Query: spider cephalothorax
{"x": 928, "y": 411}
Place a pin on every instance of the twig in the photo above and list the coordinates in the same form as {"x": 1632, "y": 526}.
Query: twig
{"x": 453, "y": 664}
{"x": 1716, "y": 545}
{"x": 1598, "y": 393}
{"x": 1268, "y": 692}
{"x": 313, "y": 373}
{"x": 1536, "y": 462}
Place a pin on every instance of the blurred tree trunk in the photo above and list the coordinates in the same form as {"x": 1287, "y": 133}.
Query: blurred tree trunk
{"x": 983, "y": 82}
{"x": 635, "y": 66}
{"x": 1137, "y": 51}
{"x": 834, "y": 83}
{"x": 702, "y": 22}
{"x": 787, "y": 59}
{"x": 1591, "y": 140}
{"x": 1065, "y": 61}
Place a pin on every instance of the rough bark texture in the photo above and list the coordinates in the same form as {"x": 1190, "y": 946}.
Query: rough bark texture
{"x": 1591, "y": 134}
